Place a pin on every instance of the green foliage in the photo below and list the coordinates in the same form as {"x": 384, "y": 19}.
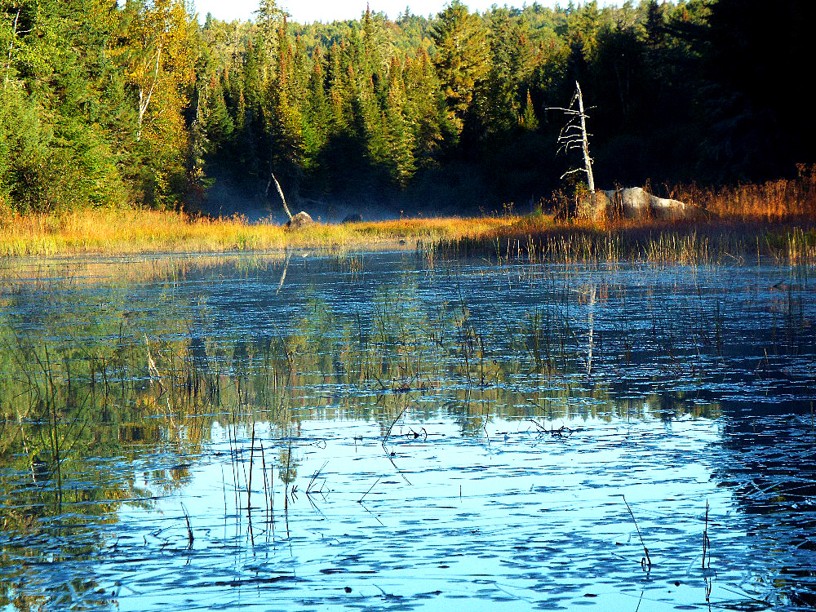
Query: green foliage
{"x": 105, "y": 103}
{"x": 461, "y": 58}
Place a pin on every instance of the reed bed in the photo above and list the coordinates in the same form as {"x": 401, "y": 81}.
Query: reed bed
{"x": 662, "y": 242}
{"x": 770, "y": 201}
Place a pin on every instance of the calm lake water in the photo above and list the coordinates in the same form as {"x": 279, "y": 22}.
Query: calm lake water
{"x": 391, "y": 431}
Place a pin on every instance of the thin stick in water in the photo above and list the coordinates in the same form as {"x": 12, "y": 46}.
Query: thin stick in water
{"x": 190, "y": 537}
{"x": 706, "y": 543}
{"x": 360, "y": 501}
{"x": 646, "y": 562}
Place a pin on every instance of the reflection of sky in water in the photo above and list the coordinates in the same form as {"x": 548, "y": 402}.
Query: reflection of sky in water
{"x": 512, "y": 517}
{"x": 480, "y": 514}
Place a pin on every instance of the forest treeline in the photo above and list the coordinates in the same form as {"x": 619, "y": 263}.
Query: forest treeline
{"x": 107, "y": 103}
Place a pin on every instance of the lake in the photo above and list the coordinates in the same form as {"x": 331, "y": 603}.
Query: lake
{"x": 397, "y": 431}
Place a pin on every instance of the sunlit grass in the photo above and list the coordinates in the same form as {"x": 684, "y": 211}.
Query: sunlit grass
{"x": 130, "y": 231}
{"x": 144, "y": 231}
{"x": 769, "y": 201}
{"x": 720, "y": 240}
{"x": 775, "y": 219}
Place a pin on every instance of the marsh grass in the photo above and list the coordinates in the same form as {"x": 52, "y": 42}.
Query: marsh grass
{"x": 776, "y": 220}
{"x": 652, "y": 241}
{"x": 130, "y": 231}
{"x": 770, "y": 201}
{"x": 121, "y": 231}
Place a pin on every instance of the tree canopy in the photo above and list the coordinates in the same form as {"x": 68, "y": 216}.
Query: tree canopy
{"x": 105, "y": 103}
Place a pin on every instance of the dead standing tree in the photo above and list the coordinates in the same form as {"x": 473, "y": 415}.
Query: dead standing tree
{"x": 574, "y": 135}
{"x": 630, "y": 203}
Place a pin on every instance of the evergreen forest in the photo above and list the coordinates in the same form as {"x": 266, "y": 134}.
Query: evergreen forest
{"x": 146, "y": 103}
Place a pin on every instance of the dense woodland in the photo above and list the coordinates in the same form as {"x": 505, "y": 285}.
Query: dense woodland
{"x": 107, "y": 103}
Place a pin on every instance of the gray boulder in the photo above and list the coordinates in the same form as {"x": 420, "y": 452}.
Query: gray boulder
{"x": 666, "y": 208}
{"x": 302, "y": 219}
{"x": 633, "y": 203}
{"x": 600, "y": 208}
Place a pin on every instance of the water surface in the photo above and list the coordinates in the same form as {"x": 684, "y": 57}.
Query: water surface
{"x": 391, "y": 431}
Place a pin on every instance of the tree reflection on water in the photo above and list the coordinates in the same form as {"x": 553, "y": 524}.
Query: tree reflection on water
{"x": 112, "y": 389}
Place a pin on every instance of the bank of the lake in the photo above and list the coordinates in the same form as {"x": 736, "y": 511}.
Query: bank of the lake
{"x": 536, "y": 237}
{"x": 129, "y": 231}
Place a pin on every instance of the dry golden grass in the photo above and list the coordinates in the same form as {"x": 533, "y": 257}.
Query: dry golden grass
{"x": 769, "y": 201}
{"x": 129, "y": 231}
{"x": 775, "y": 219}
{"x": 721, "y": 240}
{"x": 144, "y": 231}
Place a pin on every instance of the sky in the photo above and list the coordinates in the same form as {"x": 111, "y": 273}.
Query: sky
{"x": 307, "y": 11}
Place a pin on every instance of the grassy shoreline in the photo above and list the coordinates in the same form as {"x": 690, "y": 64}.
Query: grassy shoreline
{"x": 132, "y": 231}
{"x": 788, "y": 239}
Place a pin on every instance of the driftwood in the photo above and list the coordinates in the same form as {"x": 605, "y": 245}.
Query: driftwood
{"x": 302, "y": 219}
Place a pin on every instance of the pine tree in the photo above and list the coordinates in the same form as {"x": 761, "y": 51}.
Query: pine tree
{"x": 425, "y": 108}
{"x": 499, "y": 101}
{"x": 399, "y": 138}
{"x": 461, "y": 60}
{"x": 284, "y": 122}
{"x": 528, "y": 119}
{"x": 317, "y": 114}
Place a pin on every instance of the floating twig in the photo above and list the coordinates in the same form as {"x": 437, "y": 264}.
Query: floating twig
{"x": 422, "y": 433}
{"x": 360, "y": 501}
{"x": 561, "y": 432}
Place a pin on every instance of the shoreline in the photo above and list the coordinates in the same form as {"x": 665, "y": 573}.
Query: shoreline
{"x": 538, "y": 237}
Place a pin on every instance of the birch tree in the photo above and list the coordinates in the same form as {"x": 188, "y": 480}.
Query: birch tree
{"x": 157, "y": 52}
{"x": 158, "y": 57}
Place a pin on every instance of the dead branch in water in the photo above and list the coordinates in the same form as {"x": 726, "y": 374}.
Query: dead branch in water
{"x": 190, "y": 537}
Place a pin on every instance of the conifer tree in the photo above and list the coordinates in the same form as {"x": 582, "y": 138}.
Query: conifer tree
{"x": 425, "y": 108}
{"x": 461, "y": 60}
{"x": 399, "y": 137}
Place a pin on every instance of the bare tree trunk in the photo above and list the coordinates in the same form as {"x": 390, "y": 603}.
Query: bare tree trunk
{"x": 280, "y": 193}
{"x": 11, "y": 48}
{"x": 144, "y": 100}
{"x": 574, "y": 135}
{"x": 585, "y": 142}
